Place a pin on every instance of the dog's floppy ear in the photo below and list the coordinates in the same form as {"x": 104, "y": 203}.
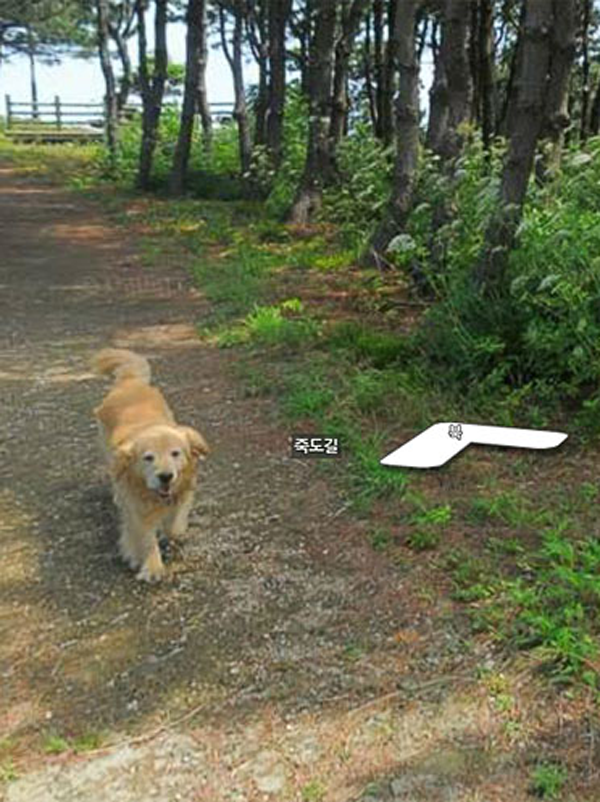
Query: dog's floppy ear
{"x": 198, "y": 445}
{"x": 122, "y": 458}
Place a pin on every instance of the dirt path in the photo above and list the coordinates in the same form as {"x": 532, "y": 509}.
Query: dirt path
{"x": 251, "y": 671}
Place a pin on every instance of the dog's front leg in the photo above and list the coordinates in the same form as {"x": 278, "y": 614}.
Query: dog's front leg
{"x": 139, "y": 547}
{"x": 176, "y": 522}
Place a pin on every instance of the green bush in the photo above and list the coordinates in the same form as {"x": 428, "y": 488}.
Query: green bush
{"x": 283, "y": 185}
{"x": 357, "y": 201}
{"x": 539, "y": 340}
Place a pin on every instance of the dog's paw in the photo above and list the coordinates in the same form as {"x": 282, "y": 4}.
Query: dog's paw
{"x": 151, "y": 572}
{"x": 129, "y": 559}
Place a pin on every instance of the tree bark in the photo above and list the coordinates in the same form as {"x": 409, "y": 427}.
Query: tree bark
{"x": 527, "y": 120}
{"x": 152, "y": 88}
{"x": 279, "y": 11}
{"x": 102, "y": 12}
{"x": 453, "y": 89}
{"x": 202, "y": 103}
{"x": 195, "y": 67}
{"x": 388, "y": 74}
{"x": 504, "y": 120}
{"x": 120, "y": 31}
{"x": 378, "y": 32}
{"x": 234, "y": 57}
{"x": 32, "y": 73}
{"x": 487, "y": 86}
{"x": 125, "y": 79}
{"x": 563, "y": 48}
{"x": 256, "y": 22}
{"x": 438, "y": 94}
{"x": 351, "y": 19}
{"x": 407, "y": 138}
{"x": 594, "y": 127}
{"x": 319, "y": 169}
{"x": 588, "y": 8}
{"x": 367, "y": 59}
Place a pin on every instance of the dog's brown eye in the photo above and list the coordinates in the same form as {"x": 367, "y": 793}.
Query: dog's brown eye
{"x": 149, "y": 457}
{"x": 176, "y": 453}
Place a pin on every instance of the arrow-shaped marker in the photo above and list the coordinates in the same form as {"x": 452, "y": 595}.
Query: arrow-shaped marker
{"x": 442, "y": 441}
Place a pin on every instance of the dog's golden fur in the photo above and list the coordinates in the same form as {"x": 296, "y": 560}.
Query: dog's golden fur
{"x": 151, "y": 460}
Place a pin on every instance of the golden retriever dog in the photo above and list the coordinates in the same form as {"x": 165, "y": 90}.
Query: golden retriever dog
{"x": 151, "y": 460}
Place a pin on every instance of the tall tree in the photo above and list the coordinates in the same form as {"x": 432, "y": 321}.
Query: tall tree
{"x": 32, "y": 72}
{"x": 152, "y": 86}
{"x": 407, "y": 133}
{"x": 102, "y": 12}
{"x": 279, "y": 11}
{"x": 120, "y": 26}
{"x": 319, "y": 168}
{"x": 195, "y": 87}
{"x": 535, "y": 69}
{"x": 452, "y": 91}
{"x": 352, "y": 14}
{"x": 487, "y": 81}
{"x": 256, "y": 27}
{"x": 233, "y": 51}
{"x": 588, "y": 9}
{"x": 563, "y": 48}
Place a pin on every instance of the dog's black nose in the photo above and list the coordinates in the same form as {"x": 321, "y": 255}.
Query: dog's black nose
{"x": 165, "y": 478}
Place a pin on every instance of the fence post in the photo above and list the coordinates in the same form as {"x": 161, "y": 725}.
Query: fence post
{"x": 57, "y": 111}
{"x": 8, "y": 112}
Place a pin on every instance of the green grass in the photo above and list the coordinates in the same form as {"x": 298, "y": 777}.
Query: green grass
{"x": 313, "y": 791}
{"x": 548, "y": 779}
{"x": 423, "y": 539}
{"x": 380, "y": 539}
{"x": 66, "y": 163}
{"x": 8, "y": 771}
{"x": 509, "y": 507}
{"x": 55, "y": 744}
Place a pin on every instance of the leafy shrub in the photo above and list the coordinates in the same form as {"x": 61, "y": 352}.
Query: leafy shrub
{"x": 357, "y": 201}
{"x": 295, "y": 130}
{"x": 539, "y": 340}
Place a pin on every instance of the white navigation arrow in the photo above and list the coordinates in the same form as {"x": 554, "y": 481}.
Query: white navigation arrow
{"x": 442, "y": 441}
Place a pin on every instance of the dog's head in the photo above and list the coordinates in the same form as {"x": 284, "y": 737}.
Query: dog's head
{"x": 161, "y": 457}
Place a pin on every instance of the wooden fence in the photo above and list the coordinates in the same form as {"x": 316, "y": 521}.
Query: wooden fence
{"x": 58, "y": 121}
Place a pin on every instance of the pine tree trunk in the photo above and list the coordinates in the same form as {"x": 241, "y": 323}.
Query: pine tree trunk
{"x": 319, "y": 167}
{"x": 152, "y": 89}
{"x": 351, "y": 20}
{"x": 594, "y": 127}
{"x": 202, "y": 104}
{"x": 279, "y": 11}
{"x": 563, "y": 48}
{"x": 235, "y": 58}
{"x": 125, "y": 79}
{"x": 388, "y": 73}
{"x": 526, "y": 121}
{"x": 487, "y": 93}
{"x": 367, "y": 63}
{"x": 32, "y": 73}
{"x": 438, "y": 96}
{"x": 257, "y": 34}
{"x": 194, "y": 66}
{"x": 453, "y": 90}
{"x": 407, "y": 135}
{"x": 102, "y": 11}
{"x": 588, "y": 8}
{"x": 380, "y": 100}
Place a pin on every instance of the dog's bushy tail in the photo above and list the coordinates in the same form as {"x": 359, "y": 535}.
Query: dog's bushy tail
{"x": 123, "y": 364}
